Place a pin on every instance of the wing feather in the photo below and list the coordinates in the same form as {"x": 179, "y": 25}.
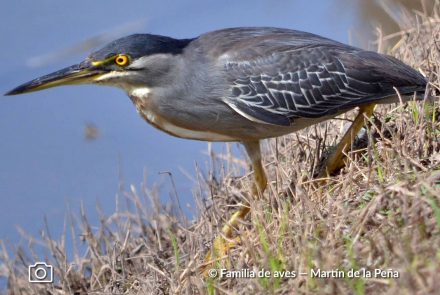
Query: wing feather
{"x": 276, "y": 77}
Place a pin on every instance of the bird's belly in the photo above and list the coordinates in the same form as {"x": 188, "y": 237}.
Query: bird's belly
{"x": 172, "y": 129}
{"x": 141, "y": 99}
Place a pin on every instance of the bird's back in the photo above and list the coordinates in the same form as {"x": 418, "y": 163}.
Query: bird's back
{"x": 276, "y": 76}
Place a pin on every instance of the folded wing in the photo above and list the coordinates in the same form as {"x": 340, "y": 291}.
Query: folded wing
{"x": 276, "y": 79}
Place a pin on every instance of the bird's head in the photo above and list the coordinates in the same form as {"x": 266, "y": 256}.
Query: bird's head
{"x": 134, "y": 61}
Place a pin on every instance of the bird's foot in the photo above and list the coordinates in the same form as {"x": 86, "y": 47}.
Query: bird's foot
{"x": 217, "y": 257}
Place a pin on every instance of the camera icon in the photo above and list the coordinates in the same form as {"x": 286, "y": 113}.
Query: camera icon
{"x": 40, "y": 272}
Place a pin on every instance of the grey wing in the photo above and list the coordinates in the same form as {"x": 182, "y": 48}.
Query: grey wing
{"x": 314, "y": 82}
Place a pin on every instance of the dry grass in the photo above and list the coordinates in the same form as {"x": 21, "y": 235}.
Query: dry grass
{"x": 381, "y": 212}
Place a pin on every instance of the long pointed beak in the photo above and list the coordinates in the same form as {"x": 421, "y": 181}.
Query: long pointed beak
{"x": 77, "y": 74}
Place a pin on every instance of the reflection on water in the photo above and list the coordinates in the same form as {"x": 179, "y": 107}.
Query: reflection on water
{"x": 388, "y": 15}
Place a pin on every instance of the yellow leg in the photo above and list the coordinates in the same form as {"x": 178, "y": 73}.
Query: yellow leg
{"x": 253, "y": 150}
{"x": 224, "y": 242}
{"x": 335, "y": 160}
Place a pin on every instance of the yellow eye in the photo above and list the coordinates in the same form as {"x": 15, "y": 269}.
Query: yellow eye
{"x": 122, "y": 60}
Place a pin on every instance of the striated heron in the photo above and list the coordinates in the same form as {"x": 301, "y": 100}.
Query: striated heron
{"x": 243, "y": 84}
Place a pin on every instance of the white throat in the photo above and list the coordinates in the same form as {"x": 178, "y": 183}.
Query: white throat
{"x": 140, "y": 92}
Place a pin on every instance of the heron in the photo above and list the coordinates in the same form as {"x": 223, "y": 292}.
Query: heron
{"x": 243, "y": 85}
